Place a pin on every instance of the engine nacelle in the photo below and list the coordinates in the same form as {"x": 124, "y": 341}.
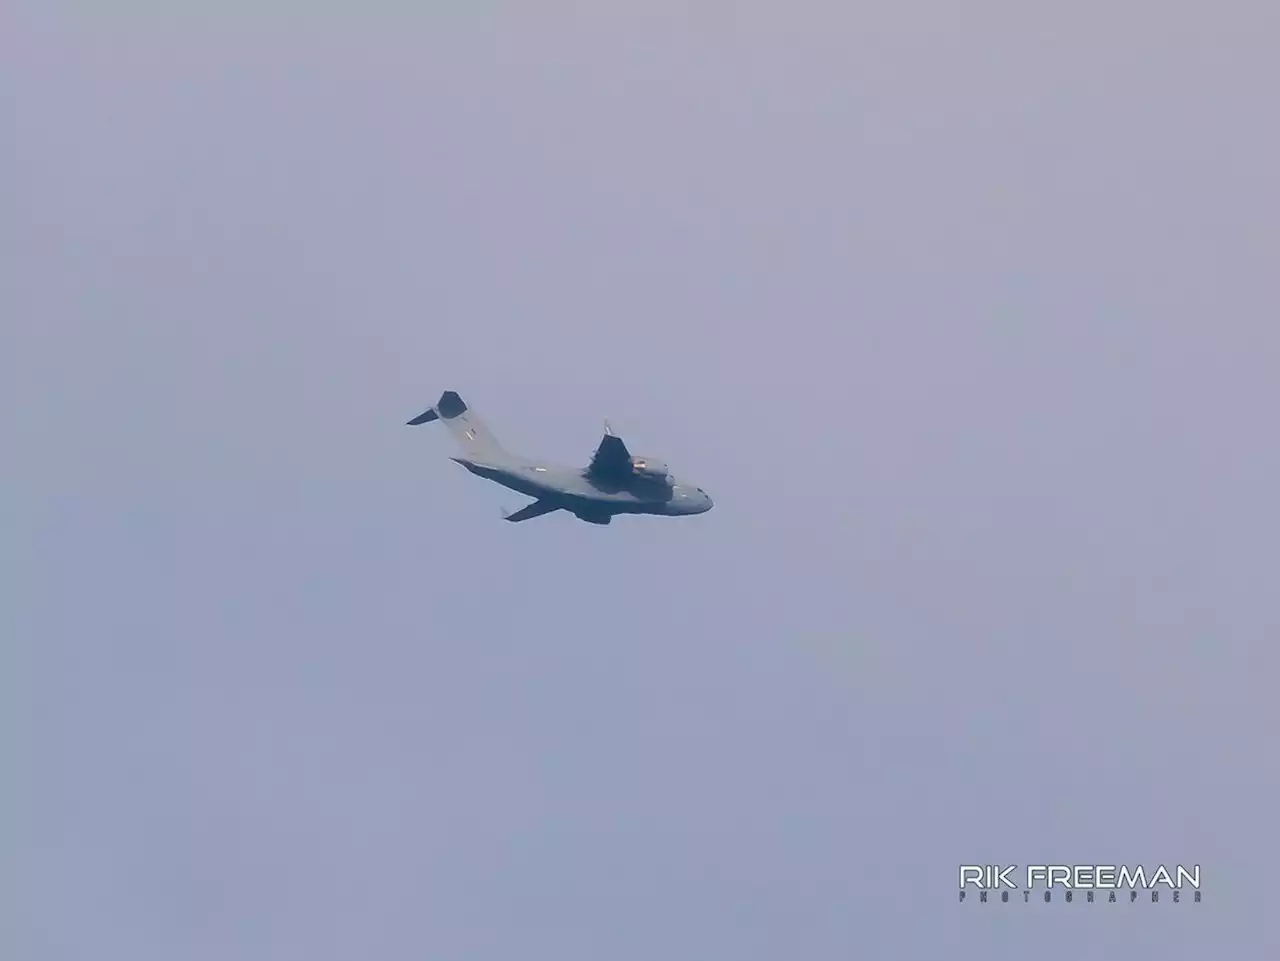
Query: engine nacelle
{"x": 649, "y": 467}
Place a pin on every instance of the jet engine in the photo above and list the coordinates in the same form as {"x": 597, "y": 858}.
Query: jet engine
{"x": 649, "y": 467}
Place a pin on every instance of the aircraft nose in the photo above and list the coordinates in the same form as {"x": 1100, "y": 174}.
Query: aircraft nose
{"x": 707, "y": 502}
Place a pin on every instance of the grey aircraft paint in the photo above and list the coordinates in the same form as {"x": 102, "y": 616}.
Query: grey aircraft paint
{"x": 615, "y": 482}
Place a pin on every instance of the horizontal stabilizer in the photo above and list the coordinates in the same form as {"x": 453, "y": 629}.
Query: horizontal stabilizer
{"x": 467, "y": 429}
{"x": 450, "y": 405}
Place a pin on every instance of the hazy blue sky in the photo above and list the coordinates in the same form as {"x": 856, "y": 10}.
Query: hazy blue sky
{"x": 965, "y": 314}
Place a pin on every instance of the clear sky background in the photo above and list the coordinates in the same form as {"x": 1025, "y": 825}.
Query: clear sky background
{"x": 967, "y": 316}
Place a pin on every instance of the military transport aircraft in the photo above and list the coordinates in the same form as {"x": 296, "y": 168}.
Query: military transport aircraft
{"x": 613, "y": 483}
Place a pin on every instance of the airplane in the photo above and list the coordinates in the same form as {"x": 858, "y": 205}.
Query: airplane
{"x": 613, "y": 483}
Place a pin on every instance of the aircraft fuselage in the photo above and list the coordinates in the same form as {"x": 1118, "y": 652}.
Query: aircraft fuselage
{"x": 615, "y": 482}
{"x": 581, "y": 494}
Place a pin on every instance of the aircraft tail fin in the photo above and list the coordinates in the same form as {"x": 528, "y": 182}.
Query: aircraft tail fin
{"x": 471, "y": 433}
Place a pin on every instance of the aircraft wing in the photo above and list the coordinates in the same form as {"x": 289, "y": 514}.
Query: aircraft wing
{"x": 536, "y": 509}
{"x": 611, "y": 459}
